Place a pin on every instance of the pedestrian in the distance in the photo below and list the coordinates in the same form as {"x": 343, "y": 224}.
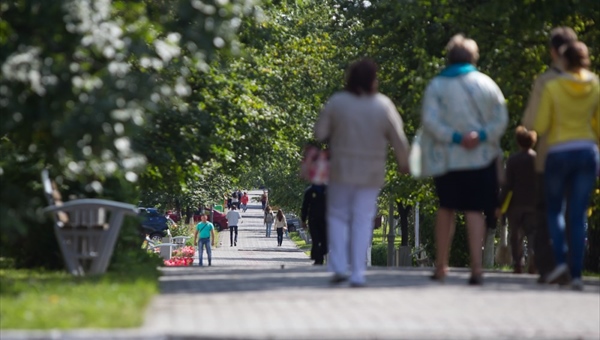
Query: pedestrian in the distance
{"x": 206, "y": 231}
{"x": 228, "y": 201}
{"x": 269, "y": 219}
{"x": 518, "y": 193}
{"x": 234, "y": 218}
{"x": 569, "y": 115}
{"x": 235, "y": 200}
{"x": 280, "y": 226}
{"x": 314, "y": 211}
{"x": 239, "y": 196}
{"x": 357, "y": 123}
{"x": 244, "y": 201}
{"x": 264, "y": 199}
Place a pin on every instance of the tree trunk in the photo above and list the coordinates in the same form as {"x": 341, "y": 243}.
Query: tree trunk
{"x": 404, "y": 211}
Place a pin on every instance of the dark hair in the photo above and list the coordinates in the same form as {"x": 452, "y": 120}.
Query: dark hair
{"x": 575, "y": 55}
{"x": 361, "y": 77}
{"x": 462, "y": 50}
{"x": 560, "y": 36}
{"x": 525, "y": 138}
{"x": 280, "y": 215}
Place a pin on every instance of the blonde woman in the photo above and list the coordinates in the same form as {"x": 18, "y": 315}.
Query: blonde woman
{"x": 280, "y": 225}
{"x": 465, "y": 113}
{"x": 569, "y": 116}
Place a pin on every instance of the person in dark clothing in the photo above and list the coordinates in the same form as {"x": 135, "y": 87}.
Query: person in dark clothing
{"x": 314, "y": 211}
{"x": 520, "y": 185}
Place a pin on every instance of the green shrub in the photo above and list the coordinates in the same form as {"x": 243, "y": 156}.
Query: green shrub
{"x": 459, "y": 250}
{"x": 180, "y": 229}
{"x": 379, "y": 254}
{"x": 128, "y": 253}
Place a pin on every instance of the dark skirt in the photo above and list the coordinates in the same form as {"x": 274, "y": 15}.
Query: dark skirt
{"x": 469, "y": 190}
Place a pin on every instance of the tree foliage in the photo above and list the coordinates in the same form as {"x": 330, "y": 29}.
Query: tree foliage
{"x": 176, "y": 103}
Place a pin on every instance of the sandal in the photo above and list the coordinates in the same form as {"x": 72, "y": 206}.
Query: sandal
{"x": 476, "y": 280}
{"x": 439, "y": 276}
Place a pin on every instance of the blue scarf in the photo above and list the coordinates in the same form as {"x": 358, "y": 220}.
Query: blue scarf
{"x": 456, "y": 70}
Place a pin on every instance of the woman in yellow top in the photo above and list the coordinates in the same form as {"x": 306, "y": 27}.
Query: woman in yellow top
{"x": 569, "y": 115}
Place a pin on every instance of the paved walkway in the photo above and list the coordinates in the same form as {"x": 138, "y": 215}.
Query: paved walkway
{"x": 247, "y": 294}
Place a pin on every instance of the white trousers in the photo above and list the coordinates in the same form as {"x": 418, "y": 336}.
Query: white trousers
{"x": 350, "y": 216}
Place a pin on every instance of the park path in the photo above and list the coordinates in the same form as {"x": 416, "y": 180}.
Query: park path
{"x": 247, "y": 295}
{"x": 253, "y": 248}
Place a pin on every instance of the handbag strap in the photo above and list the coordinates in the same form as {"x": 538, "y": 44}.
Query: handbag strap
{"x": 472, "y": 100}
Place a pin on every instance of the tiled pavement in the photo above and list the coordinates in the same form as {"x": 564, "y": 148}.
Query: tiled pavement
{"x": 248, "y": 295}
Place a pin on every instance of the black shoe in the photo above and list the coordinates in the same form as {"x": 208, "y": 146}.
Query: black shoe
{"x": 338, "y": 278}
{"x": 235, "y": 244}
{"x": 438, "y": 277}
{"x": 357, "y": 285}
{"x": 476, "y": 280}
{"x": 231, "y": 245}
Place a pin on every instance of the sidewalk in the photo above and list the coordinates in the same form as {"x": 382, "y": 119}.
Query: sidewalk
{"x": 247, "y": 294}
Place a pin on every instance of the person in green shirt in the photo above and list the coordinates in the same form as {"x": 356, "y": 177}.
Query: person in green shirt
{"x": 206, "y": 230}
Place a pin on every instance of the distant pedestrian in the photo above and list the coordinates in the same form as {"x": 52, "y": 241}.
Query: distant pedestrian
{"x": 280, "y": 226}
{"x": 264, "y": 199}
{"x": 228, "y": 199}
{"x": 244, "y": 201}
{"x": 235, "y": 200}
{"x": 239, "y": 195}
{"x": 269, "y": 219}
{"x": 569, "y": 115}
{"x": 206, "y": 231}
{"x": 464, "y": 114}
{"x": 314, "y": 211}
{"x": 234, "y": 218}
{"x": 357, "y": 123}
{"x": 519, "y": 192}
{"x": 544, "y": 257}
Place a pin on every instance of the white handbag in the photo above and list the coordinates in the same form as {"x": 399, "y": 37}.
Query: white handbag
{"x": 427, "y": 157}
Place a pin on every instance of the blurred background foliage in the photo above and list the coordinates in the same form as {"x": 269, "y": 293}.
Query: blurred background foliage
{"x": 174, "y": 103}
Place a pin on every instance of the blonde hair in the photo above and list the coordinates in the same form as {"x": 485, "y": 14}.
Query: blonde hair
{"x": 462, "y": 50}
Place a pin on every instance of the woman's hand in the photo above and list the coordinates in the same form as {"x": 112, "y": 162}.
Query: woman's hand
{"x": 470, "y": 140}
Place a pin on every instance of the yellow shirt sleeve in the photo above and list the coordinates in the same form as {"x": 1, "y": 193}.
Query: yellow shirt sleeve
{"x": 543, "y": 117}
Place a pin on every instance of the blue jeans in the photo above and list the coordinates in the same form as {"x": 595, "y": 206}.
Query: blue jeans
{"x": 269, "y": 225}
{"x": 204, "y": 242}
{"x": 279, "y": 236}
{"x": 577, "y": 170}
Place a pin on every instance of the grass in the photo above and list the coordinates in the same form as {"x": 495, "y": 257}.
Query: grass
{"x": 300, "y": 243}
{"x": 379, "y": 238}
{"x": 37, "y": 299}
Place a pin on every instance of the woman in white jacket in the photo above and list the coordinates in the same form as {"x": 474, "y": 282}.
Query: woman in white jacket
{"x": 464, "y": 113}
{"x": 280, "y": 225}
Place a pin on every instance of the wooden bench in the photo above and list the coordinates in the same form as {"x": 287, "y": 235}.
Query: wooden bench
{"x": 86, "y": 229}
